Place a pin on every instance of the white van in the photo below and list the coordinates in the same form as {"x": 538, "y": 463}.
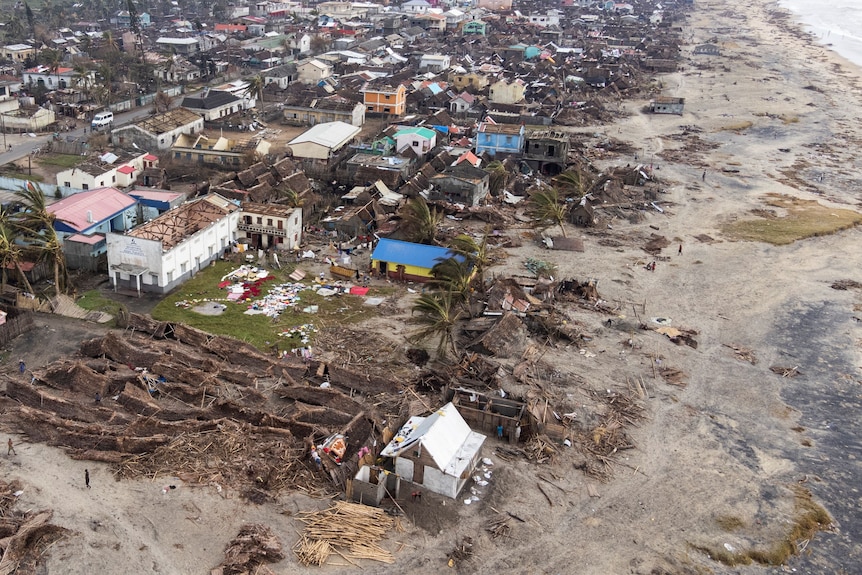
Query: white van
{"x": 102, "y": 119}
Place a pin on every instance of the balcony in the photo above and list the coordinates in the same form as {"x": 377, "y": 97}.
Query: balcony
{"x": 261, "y": 229}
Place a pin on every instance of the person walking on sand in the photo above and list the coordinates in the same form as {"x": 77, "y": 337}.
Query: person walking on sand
{"x": 703, "y": 177}
{"x": 10, "y": 448}
{"x": 87, "y": 478}
{"x": 680, "y": 249}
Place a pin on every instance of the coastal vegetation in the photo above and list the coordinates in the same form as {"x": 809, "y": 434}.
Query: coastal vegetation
{"x": 795, "y": 219}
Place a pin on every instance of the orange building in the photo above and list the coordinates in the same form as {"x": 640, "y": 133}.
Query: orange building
{"x": 385, "y": 99}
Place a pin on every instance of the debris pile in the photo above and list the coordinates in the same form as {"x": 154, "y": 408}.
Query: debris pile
{"x": 350, "y": 530}
{"x": 463, "y": 550}
{"x": 24, "y": 535}
{"x": 249, "y": 551}
{"x": 211, "y": 410}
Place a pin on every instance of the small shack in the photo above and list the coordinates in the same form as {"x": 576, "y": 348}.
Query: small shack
{"x": 488, "y": 413}
{"x": 406, "y": 261}
{"x": 667, "y": 105}
{"x": 438, "y": 452}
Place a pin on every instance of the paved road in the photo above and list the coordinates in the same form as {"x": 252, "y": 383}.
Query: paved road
{"x": 23, "y": 144}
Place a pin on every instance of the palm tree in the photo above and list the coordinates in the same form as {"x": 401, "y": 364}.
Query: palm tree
{"x": 81, "y": 79}
{"x": 290, "y": 198}
{"x": 546, "y": 207}
{"x": 474, "y": 252}
{"x": 14, "y": 30}
{"x": 31, "y": 22}
{"x": 86, "y": 44}
{"x": 575, "y": 183}
{"x": 38, "y": 224}
{"x": 255, "y": 88}
{"x": 11, "y": 253}
{"x": 109, "y": 42}
{"x": 420, "y": 221}
{"x": 53, "y": 59}
{"x": 438, "y": 315}
{"x": 497, "y": 177}
{"x": 454, "y": 276}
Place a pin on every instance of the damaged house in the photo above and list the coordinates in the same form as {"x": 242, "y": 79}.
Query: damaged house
{"x": 461, "y": 183}
{"x": 438, "y": 452}
{"x": 163, "y": 253}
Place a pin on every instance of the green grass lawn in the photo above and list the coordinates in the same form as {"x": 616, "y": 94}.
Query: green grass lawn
{"x": 94, "y": 301}
{"x": 258, "y": 330}
{"x": 60, "y": 160}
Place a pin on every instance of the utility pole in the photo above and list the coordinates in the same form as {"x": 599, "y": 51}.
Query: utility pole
{"x": 3, "y": 127}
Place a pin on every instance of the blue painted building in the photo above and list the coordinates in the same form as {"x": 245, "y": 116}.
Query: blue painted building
{"x": 407, "y": 261}
{"x": 499, "y": 139}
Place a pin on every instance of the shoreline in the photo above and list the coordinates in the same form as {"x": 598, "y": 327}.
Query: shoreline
{"x": 726, "y": 445}
{"x": 820, "y": 33}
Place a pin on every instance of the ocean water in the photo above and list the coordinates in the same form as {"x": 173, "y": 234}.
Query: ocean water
{"x": 837, "y": 24}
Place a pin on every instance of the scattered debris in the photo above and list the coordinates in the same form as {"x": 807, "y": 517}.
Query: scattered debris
{"x": 463, "y": 550}
{"x": 673, "y": 376}
{"x": 24, "y": 535}
{"x": 846, "y": 284}
{"x": 540, "y": 268}
{"x": 786, "y": 371}
{"x": 656, "y": 244}
{"x": 248, "y": 552}
{"x": 499, "y": 527}
{"x": 742, "y": 353}
{"x": 679, "y": 336}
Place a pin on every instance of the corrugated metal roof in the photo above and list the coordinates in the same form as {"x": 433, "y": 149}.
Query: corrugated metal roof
{"x": 329, "y": 134}
{"x": 410, "y": 254}
{"x": 85, "y": 210}
{"x": 442, "y": 434}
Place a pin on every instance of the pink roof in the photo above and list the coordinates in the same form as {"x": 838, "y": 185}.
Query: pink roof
{"x": 469, "y": 157}
{"x": 82, "y": 239}
{"x": 151, "y": 158}
{"x": 86, "y": 209}
{"x": 127, "y": 169}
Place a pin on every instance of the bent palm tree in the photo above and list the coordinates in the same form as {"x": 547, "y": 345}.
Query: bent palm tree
{"x": 576, "y": 183}
{"x": 255, "y": 88}
{"x": 497, "y": 177}
{"x": 475, "y": 252}
{"x": 38, "y": 224}
{"x": 11, "y": 253}
{"x": 438, "y": 314}
{"x": 421, "y": 221}
{"x": 547, "y": 208}
{"x": 454, "y": 276}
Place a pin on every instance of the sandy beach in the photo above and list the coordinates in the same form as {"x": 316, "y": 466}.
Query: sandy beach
{"x": 775, "y": 113}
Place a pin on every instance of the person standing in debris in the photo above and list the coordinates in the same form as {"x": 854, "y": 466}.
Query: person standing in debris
{"x": 10, "y": 447}
{"x": 22, "y": 367}
{"x": 500, "y": 431}
{"x": 703, "y": 177}
{"x": 87, "y": 478}
{"x": 98, "y": 397}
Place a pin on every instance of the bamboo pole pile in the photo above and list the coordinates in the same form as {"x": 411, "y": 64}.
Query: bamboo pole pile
{"x": 347, "y": 529}
{"x": 312, "y": 551}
